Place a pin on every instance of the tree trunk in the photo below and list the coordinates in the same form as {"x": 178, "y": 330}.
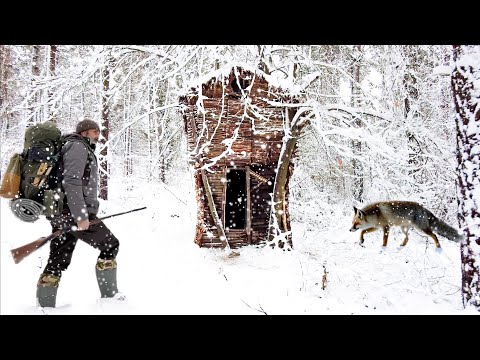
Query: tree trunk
{"x": 52, "y": 66}
{"x": 53, "y": 60}
{"x": 104, "y": 169}
{"x": 5, "y": 65}
{"x": 358, "y": 172}
{"x": 278, "y": 225}
{"x": 161, "y": 132}
{"x": 128, "y": 152}
{"x": 151, "y": 131}
{"x": 127, "y": 135}
{"x": 262, "y": 63}
{"x": 36, "y": 60}
{"x": 411, "y": 94}
{"x": 467, "y": 105}
{"x": 162, "y": 170}
{"x": 35, "y": 114}
{"x": 5, "y": 74}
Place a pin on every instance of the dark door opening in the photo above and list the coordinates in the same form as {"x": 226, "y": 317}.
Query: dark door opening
{"x": 236, "y": 199}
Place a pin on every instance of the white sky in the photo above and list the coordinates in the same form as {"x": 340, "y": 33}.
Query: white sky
{"x": 162, "y": 271}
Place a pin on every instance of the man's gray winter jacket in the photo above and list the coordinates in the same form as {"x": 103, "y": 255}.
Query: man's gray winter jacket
{"x": 80, "y": 176}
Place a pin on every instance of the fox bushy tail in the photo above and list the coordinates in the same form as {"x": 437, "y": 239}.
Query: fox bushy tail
{"x": 444, "y": 229}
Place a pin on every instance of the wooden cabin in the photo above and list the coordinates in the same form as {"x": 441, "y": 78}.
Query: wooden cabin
{"x": 235, "y": 136}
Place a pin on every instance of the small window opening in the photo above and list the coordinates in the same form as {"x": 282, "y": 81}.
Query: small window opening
{"x": 239, "y": 83}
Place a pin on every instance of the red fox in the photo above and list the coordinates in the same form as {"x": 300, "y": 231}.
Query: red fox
{"x": 385, "y": 214}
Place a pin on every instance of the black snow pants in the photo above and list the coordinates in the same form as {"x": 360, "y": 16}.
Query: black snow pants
{"x": 61, "y": 248}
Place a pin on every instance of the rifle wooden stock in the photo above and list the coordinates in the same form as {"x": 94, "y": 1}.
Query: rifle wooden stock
{"x": 22, "y": 252}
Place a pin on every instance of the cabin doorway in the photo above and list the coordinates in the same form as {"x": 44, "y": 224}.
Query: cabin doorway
{"x": 236, "y": 199}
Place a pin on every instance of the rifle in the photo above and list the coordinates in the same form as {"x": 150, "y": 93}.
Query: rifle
{"x": 22, "y": 252}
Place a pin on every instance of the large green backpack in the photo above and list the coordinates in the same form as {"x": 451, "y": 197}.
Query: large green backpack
{"x": 41, "y": 152}
{"x": 33, "y": 178}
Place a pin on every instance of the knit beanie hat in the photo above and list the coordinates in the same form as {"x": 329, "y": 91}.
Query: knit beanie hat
{"x": 86, "y": 124}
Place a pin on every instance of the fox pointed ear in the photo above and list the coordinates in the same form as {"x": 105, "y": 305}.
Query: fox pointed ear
{"x": 360, "y": 214}
{"x": 355, "y": 209}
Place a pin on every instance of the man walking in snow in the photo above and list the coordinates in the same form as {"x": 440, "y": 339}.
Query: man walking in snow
{"x": 79, "y": 170}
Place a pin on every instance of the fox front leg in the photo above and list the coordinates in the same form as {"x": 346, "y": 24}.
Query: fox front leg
{"x": 366, "y": 231}
{"x": 386, "y": 230}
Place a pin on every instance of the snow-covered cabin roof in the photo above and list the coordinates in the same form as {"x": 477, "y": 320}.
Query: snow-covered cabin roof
{"x": 237, "y": 80}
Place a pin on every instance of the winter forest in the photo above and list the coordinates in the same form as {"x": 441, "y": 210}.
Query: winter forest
{"x": 362, "y": 124}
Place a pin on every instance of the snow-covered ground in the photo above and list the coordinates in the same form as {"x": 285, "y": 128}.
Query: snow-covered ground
{"x": 162, "y": 271}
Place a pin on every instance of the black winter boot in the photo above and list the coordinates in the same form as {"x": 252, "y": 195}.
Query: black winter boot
{"x": 106, "y": 271}
{"x": 47, "y": 287}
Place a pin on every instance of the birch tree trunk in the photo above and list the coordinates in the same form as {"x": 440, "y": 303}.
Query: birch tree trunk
{"x": 466, "y": 94}
{"x": 358, "y": 172}
{"x": 127, "y": 137}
